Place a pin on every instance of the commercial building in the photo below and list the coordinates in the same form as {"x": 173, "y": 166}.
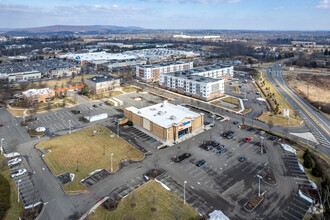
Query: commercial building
{"x": 303, "y": 43}
{"x": 165, "y": 120}
{"x": 89, "y": 58}
{"x": 38, "y": 95}
{"x": 151, "y": 73}
{"x": 103, "y": 83}
{"x": 67, "y": 71}
{"x": 24, "y": 76}
{"x": 204, "y": 88}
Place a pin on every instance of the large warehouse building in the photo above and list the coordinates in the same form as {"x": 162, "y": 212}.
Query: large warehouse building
{"x": 165, "y": 120}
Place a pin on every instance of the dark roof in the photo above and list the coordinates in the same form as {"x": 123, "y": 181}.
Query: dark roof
{"x": 98, "y": 79}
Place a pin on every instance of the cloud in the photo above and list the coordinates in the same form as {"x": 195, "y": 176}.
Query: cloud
{"x": 279, "y": 8}
{"x": 323, "y": 4}
{"x": 195, "y": 1}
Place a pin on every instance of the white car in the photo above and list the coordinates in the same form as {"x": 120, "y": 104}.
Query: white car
{"x": 18, "y": 173}
{"x": 15, "y": 161}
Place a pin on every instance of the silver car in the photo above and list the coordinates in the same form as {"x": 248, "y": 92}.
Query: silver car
{"x": 18, "y": 173}
{"x": 14, "y": 162}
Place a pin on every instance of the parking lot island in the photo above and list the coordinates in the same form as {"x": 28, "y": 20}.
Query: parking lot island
{"x": 85, "y": 151}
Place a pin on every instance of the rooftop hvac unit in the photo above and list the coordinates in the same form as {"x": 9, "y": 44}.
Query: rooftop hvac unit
{"x": 172, "y": 117}
{"x": 160, "y": 113}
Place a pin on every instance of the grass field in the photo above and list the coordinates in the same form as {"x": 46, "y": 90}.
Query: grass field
{"x": 150, "y": 195}
{"x": 16, "y": 113}
{"x": 16, "y": 209}
{"x": 129, "y": 89}
{"x": 104, "y": 95}
{"x": 283, "y": 104}
{"x": 232, "y": 100}
{"x": 90, "y": 151}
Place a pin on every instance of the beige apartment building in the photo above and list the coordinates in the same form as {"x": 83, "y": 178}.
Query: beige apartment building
{"x": 103, "y": 83}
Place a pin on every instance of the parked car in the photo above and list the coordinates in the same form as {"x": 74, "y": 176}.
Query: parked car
{"x": 101, "y": 104}
{"x": 236, "y": 122}
{"x": 18, "y": 173}
{"x": 1, "y": 125}
{"x": 273, "y": 138}
{"x": 242, "y": 158}
{"x": 250, "y": 129}
{"x": 209, "y": 147}
{"x": 261, "y": 132}
{"x": 200, "y": 163}
{"x": 206, "y": 123}
{"x": 95, "y": 106}
{"x": 215, "y": 144}
{"x": 230, "y": 135}
{"x": 247, "y": 139}
{"x": 14, "y": 162}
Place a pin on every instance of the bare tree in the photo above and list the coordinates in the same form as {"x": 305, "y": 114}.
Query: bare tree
{"x": 243, "y": 120}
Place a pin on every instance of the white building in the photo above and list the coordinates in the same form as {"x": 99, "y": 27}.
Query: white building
{"x": 24, "y": 76}
{"x": 205, "y": 88}
{"x": 151, "y": 73}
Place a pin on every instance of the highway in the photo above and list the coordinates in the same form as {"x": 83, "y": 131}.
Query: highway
{"x": 317, "y": 123}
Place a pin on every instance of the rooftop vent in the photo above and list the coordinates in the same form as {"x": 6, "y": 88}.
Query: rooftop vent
{"x": 172, "y": 117}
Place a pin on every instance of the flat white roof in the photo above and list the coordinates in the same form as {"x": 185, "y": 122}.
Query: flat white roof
{"x": 32, "y": 92}
{"x": 98, "y": 56}
{"x": 165, "y": 114}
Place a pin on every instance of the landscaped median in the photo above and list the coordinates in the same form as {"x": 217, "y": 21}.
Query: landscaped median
{"x": 149, "y": 201}
{"x": 85, "y": 151}
{"x": 228, "y": 102}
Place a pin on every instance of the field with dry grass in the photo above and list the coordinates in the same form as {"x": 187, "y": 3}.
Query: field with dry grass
{"x": 83, "y": 151}
{"x": 315, "y": 88}
{"x": 167, "y": 205}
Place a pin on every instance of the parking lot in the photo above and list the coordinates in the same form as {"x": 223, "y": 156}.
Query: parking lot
{"x": 234, "y": 182}
{"x": 29, "y": 193}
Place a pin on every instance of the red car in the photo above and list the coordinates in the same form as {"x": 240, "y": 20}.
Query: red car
{"x": 1, "y": 125}
{"x": 247, "y": 139}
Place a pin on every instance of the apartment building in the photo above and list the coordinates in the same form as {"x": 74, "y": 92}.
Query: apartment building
{"x": 216, "y": 71}
{"x": 103, "y": 83}
{"x": 204, "y": 88}
{"x": 38, "y": 95}
{"x": 151, "y": 73}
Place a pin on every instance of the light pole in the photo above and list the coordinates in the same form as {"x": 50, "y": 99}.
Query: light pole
{"x": 184, "y": 192}
{"x": 1, "y": 148}
{"x": 18, "y": 189}
{"x": 69, "y": 126}
{"x": 259, "y": 177}
{"x": 261, "y": 144}
{"x": 111, "y": 162}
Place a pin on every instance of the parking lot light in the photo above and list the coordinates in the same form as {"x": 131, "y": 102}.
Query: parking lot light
{"x": 259, "y": 177}
{"x": 111, "y": 163}
{"x": 184, "y": 192}
{"x": 18, "y": 189}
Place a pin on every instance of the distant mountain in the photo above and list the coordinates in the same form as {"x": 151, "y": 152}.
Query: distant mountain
{"x": 3, "y": 30}
{"x": 72, "y": 29}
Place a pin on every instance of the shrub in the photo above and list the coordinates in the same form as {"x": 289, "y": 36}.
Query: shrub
{"x": 308, "y": 162}
{"x": 307, "y": 152}
{"x": 129, "y": 123}
{"x": 317, "y": 171}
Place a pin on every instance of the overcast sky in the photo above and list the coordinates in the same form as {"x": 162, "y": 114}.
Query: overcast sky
{"x": 170, "y": 14}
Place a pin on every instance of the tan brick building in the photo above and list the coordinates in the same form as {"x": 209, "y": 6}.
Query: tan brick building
{"x": 103, "y": 83}
{"x": 165, "y": 120}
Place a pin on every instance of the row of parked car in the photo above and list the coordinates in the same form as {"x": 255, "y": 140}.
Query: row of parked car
{"x": 15, "y": 160}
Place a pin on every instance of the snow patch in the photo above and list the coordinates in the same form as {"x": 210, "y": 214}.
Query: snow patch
{"x": 218, "y": 215}
{"x": 166, "y": 187}
{"x": 313, "y": 185}
{"x": 33, "y": 205}
{"x": 301, "y": 167}
{"x": 305, "y": 197}
{"x": 288, "y": 148}
{"x": 95, "y": 171}
{"x": 72, "y": 176}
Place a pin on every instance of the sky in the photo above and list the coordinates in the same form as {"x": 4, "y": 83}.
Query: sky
{"x": 170, "y": 14}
